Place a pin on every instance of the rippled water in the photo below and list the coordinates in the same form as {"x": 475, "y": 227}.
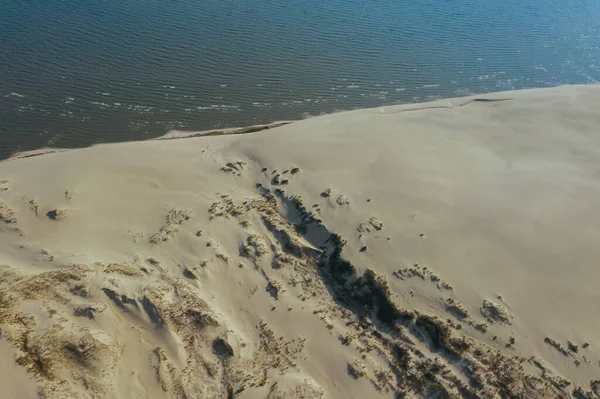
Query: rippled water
{"x": 74, "y": 73}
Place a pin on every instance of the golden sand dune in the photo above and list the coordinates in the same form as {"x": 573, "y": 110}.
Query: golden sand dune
{"x": 447, "y": 250}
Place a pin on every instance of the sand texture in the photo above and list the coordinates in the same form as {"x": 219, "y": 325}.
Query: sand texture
{"x": 440, "y": 250}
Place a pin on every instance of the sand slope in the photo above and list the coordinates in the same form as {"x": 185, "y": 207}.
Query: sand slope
{"x": 447, "y": 248}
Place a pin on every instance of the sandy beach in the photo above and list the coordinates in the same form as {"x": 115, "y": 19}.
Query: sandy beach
{"x": 436, "y": 250}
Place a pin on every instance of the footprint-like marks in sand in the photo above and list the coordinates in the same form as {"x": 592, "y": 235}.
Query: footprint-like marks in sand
{"x": 373, "y": 224}
{"x": 495, "y": 313}
{"x": 58, "y": 214}
{"x": 456, "y": 308}
{"x": 424, "y": 274}
{"x": 283, "y": 178}
{"x": 236, "y": 167}
{"x": 254, "y": 247}
{"x": 7, "y": 215}
{"x": 170, "y": 228}
{"x": 343, "y": 200}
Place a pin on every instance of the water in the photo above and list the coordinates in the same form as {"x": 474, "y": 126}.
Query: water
{"x": 74, "y": 73}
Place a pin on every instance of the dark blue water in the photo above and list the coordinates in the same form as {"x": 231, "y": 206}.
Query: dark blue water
{"x": 74, "y": 73}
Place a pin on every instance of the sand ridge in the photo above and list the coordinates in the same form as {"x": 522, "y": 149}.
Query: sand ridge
{"x": 448, "y": 251}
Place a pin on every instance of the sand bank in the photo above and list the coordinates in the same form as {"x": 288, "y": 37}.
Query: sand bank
{"x": 445, "y": 248}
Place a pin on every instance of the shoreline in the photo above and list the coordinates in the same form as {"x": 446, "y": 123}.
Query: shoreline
{"x": 181, "y": 134}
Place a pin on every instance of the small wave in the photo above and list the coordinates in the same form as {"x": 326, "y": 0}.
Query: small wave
{"x": 18, "y": 95}
{"x": 505, "y": 84}
{"x": 401, "y": 89}
{"x": 100, "y": 104}
{"x": 141, "y": 109}
{"x": 226, "y": 106}
{"x": 23, "y": 108}
{"x": 67, "y": 114}
{"x": 352, "y": 86}
{"x": 429, "y": 86}
{"x": 212, "y": 107}
{"x": 463, "y": 92}
{"x": 137, "y": 125}
{"x": 261, "y": 105}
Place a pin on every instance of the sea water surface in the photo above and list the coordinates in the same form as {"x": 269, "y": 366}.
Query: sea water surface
{"x": 74, "y": 73}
